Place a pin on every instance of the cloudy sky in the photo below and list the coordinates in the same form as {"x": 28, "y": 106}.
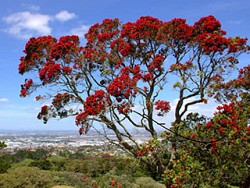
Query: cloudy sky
{"x": 20, "y": 20}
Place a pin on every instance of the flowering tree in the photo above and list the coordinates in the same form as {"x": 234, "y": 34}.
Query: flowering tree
{"x": 122, "y": 76}
{"x": 217, "y": 152}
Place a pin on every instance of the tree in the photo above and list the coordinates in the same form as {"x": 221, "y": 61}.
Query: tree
{"x": 2, "y": 145}
{"x": 218, "y": 151}
{"x": 42, "y": 164}
{"x": 123, "y": 76}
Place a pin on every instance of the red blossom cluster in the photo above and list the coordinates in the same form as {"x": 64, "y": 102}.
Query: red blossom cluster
{"x": 144, "y": 28}
{"x": 228, "y": 122}
{"x": 237, "y": 44}
{"x": 214, "y": 144}
{"x": 67, "y": 70}
{"x": 208, "y": 24}
{"x": 212, "y": 39}
{"x": 177, "y": 183}
{"x": 177, "y": 31}
{"x": 64, "y": 48}
{"x": 212, "y": 42}
{"x": 124, "y": 108}
{"x": 163, "y": 106}
{"x": 145, "y": 149}
{"x": 61, "y": 100}
{"x": 35, "y": 50}
{"x": 233, "y": 89}
{"x": 38, "y": 97}
{"x": 26, "y": 87}
{"x": 84, "y": 128}
{"x": 243, "y": 80}
{"x": 156, "y": 64}
{"x": 105, "y": 31}
{"x": 114, "y": 183}
{"x": 89, "y": 53}
{"x": 50, "y": 72}
{"x": 142, "y": 151}
{"x": 43, "y": 114}
{"x": 94, "y": 105}
{"x": 121, "y": 46}
{"x": 123, "y": 86}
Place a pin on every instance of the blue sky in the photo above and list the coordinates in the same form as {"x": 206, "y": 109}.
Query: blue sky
{"x": 20, "y": 20}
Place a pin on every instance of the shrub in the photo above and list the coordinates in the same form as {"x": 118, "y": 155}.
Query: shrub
{"x": 4, "y": 166}
{"x": 26, "y": 177}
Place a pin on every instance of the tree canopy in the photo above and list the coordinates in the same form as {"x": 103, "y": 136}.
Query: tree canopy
{"x": 123, "y": 77}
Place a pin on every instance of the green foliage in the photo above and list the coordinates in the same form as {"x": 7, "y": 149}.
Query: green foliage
{"x": 212, "y": 152}
{"x": 4, "y": 166}
{"x": 24, "y": 163}
{"x": 88, "y": 172}
{"x": 147, "y": 182}
{"x": 2, "y": 145}
{"x": 57, "y": 162}
{"x": 127, "y": 180}
{"x": 42, "y": 164}
{"x": 95, "y": 167}
{"x": 76, "y": 180}
{"x": 26, "y": 177}
{"x": 27, "y": 154}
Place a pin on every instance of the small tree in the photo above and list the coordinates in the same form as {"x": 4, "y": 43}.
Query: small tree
{"x": 2, "y": 145}
{"x": 123, "y": 75}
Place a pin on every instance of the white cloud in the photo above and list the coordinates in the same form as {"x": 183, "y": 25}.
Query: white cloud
{"x": 64, "y": 16}
{"x": 80, "y": 31}
{"x": 4, "y": 100}
{"x": 26, "y": 24}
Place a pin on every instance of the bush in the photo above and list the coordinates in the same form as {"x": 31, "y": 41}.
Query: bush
{"x": 24, "y": 163}
{"x": 4, "y": 166}
{"x": 26, "y": 177}
{"x": 57, "y": 162}
{"x": 76, "y": 180}
{"x": 42, "y": 164}
{"x": 111, "y": 180}
{"x": 147, "y": 182}
{"x": 20, "y": 155}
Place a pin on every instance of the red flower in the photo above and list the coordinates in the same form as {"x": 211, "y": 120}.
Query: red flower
{"x": 114, "y": 183}
{"x": 23, "y": 93}
{"x": 248, "y": 130}
{"x": 163, "y": 106}
{"x": 21, "y": 66}
{"x": 204, "y": 100}
{"x": 222, "y": 130}
{"x": 67, "y": 70}
{"x": 50, "y": 71}
{"x": 209, "y": 125}
{"x": 193, "y": 135}
{"x": 44, "y": 109}
{"x": 213, "y": 149}
{"x": 26, "y": 87}
{"x": 139, "y": 153}
{"x": 38, "y": 97}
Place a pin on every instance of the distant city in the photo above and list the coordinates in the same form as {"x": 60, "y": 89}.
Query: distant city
{"x": 16, "y": 140}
